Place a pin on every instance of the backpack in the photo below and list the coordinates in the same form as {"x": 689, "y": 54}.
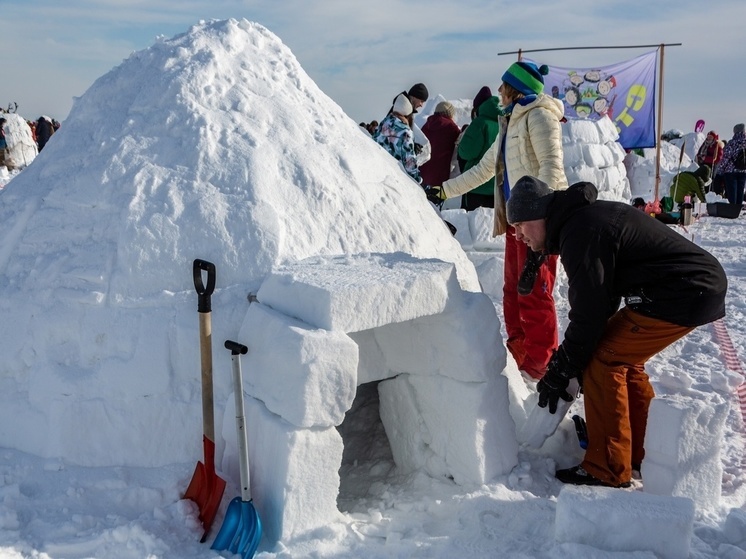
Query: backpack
{"x": 740, "y": 161}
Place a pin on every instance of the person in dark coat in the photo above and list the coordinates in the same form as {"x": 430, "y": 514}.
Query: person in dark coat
{"x": 735, "y": 177}
{"x": 442, "y": 132}
{"x": 612, "y": 251}
{"x": 44, "y": 131}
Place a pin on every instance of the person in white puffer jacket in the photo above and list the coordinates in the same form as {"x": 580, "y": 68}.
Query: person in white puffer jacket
{"x": 529, "y": 144}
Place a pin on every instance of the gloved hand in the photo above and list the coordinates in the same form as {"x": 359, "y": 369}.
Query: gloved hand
{"x": 436, "y": 194}
{"x": 553, "y": 385}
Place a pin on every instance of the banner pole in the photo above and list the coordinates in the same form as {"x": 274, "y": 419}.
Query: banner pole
{"x": 659, "y": 127}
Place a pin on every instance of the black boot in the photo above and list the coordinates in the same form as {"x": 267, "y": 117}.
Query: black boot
{"x": 526, "y": 282}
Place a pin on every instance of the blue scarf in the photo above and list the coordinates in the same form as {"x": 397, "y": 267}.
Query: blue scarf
{"x": 523, "y": 101}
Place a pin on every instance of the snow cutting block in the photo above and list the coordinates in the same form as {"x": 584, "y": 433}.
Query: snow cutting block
{"x": 624, "y": 521}
{"x": 360, "y": 292}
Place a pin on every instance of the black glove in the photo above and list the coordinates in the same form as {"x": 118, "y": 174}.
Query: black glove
{"x": 553, "y": 385}
{"x": 530, "y": 272}
{"x": 435, "y": 194}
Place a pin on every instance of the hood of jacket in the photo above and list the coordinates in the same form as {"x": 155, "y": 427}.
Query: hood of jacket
{"x": 555, "y": 106}
{"x": 490, "y": 108}
{"x": 564, "y": 204}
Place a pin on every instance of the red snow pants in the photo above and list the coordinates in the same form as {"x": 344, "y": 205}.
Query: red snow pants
{"x": 617, "y": 392}
{"x": 530, "y": 320}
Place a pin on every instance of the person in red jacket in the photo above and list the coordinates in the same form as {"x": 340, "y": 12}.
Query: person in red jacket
{"x": 710, "y": 152}
{"x": 442, "y": 132}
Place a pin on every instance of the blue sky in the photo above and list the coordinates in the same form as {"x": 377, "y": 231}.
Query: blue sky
{"x": 362, "y": 54}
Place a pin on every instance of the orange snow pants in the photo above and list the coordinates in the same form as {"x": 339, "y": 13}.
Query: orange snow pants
{"x": 530, "y": 320}
{"x": 617, "y": 392}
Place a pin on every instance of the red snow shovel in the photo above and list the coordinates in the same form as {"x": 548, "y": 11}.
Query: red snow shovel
{"x": 206, "y": 488}
{"x": 242, "y": 529}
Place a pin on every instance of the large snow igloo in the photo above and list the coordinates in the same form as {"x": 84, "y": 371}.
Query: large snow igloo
{"x": 320, "y": 328}
{"x": 215, "y": 144}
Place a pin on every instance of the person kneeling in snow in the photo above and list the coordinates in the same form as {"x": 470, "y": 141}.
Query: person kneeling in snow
{"x": 610, "y": 251}
{"x": 690, "y": 183}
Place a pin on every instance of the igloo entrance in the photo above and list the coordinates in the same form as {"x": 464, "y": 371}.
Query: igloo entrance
{"x": 367, "y": 455}
{"x": 325, "y": 330}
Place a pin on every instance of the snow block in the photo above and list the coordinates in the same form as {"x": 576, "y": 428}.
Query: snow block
{"x": 21, "y": 147}
{"x": 457, "y": 440}
{"x": 539, "y": 424}
{"x": 353, "y": 293}
{"x": 618, "y": 520}
{"x": 295, "y": 480}
{"x": 460, "y": 220}
{"x": 682, "y": 448}
{"x": 481, "y": 221}
{"x": 607, "y": 130}
{"x": 735, "y": 527}
{"x": 472, "y": 355}
{"x": 581, "y": 132}
{"x": 306, "y": 375}
{"x": 490, "y": 268}
{"x": 597, "y": 155}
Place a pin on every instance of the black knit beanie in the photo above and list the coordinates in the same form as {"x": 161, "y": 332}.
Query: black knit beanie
{"x": 419, "y": 91}
{"x": 484, "y": 94}
{"x": 529, "y": 200}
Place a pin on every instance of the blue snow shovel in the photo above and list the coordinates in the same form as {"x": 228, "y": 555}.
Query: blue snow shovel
{"x": 241, "y": 529}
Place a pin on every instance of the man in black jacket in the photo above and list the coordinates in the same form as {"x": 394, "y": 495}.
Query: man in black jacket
{"x": 612, "y": 251}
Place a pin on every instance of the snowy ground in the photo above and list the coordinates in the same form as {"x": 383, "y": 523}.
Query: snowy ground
{"x": 49, "y": 509}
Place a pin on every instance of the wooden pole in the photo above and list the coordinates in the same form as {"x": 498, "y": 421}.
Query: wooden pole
{"x": 588, "y": 48}
{"x": 659, "y": 127}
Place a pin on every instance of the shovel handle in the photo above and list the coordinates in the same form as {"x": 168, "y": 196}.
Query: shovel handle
{"x": 204, "y": 291}
{"x": 236, "y": 348}
{"x": 204, "y": 306}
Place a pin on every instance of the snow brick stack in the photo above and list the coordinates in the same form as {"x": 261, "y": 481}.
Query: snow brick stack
{"x": 593, "y": 154}
{"x": 320, "y": 328}
{"x": 682, "y": 448}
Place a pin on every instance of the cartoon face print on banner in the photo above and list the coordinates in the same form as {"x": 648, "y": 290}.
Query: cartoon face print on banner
{"x": 587, "y": 95}
{"x": 624, "y": 92}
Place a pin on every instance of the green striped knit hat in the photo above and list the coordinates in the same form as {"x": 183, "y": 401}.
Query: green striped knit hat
{"x": 526, "y": 77}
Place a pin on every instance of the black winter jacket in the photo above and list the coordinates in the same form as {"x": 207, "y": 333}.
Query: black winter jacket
{"x": 611, "y": 251}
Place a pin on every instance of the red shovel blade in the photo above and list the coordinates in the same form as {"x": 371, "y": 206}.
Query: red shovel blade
{"x": 206, "y": 488}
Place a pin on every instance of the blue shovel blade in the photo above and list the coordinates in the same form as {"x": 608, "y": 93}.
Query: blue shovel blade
{"x": 241, "y": 529}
